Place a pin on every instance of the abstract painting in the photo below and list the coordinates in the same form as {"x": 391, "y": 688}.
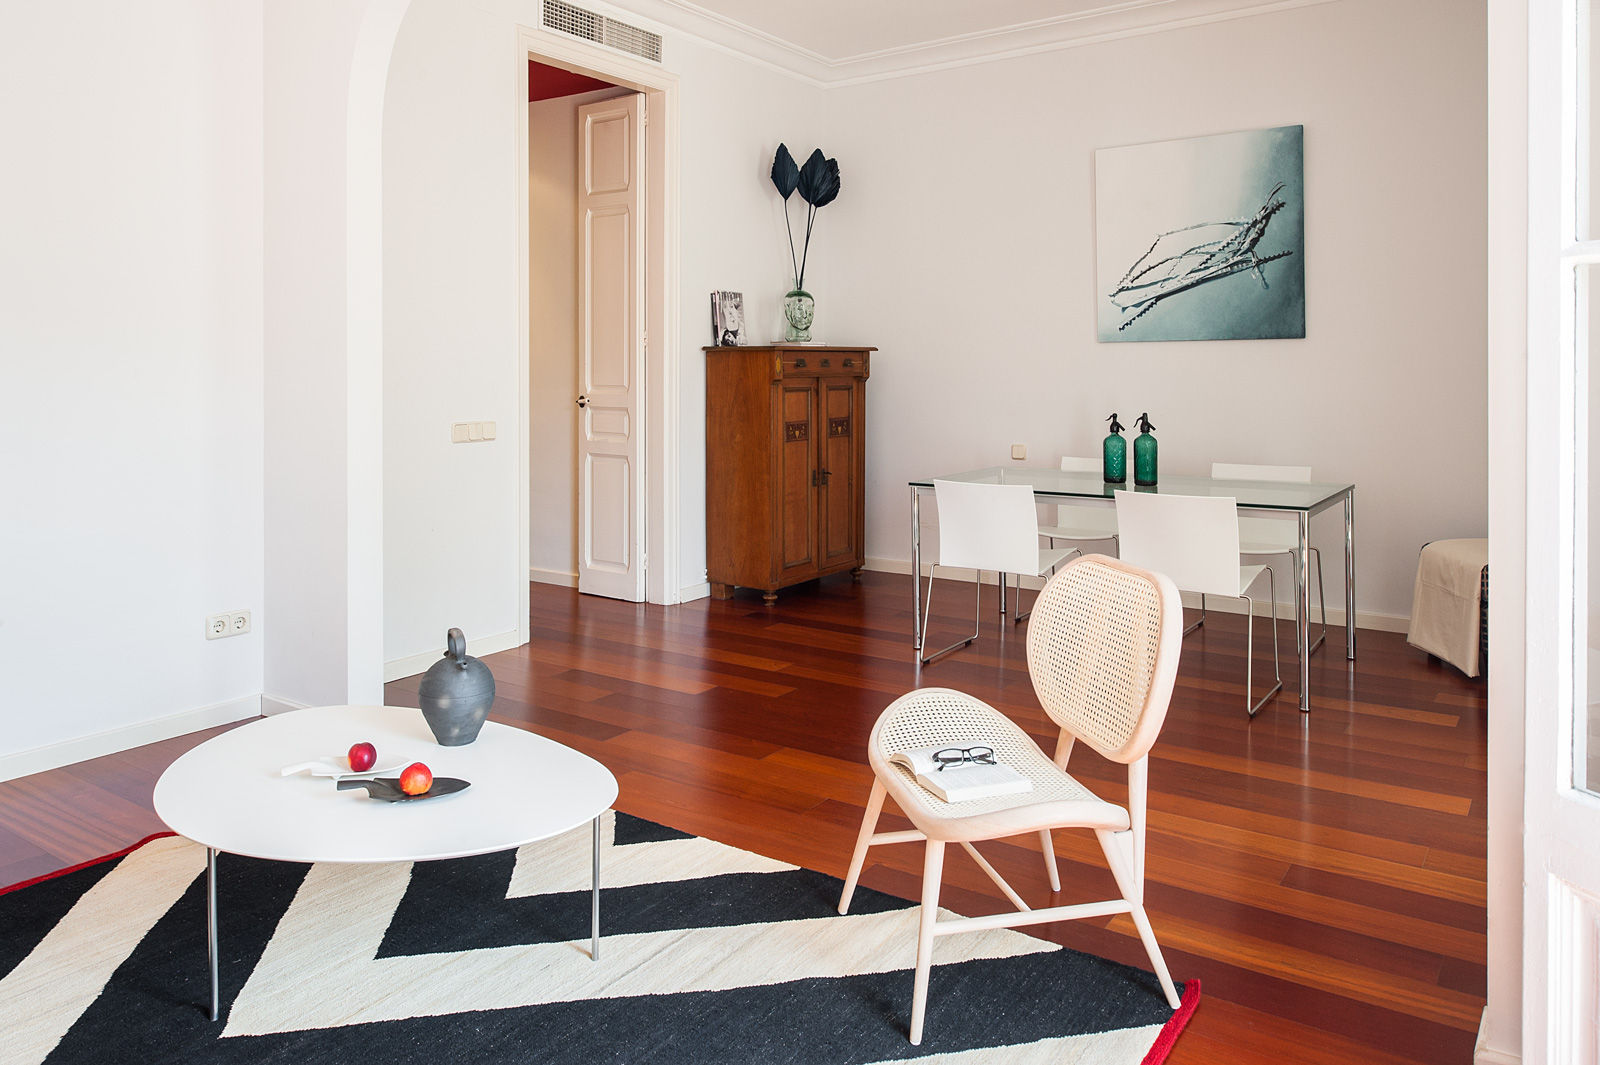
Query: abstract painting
{"x": 1202, "y": 238}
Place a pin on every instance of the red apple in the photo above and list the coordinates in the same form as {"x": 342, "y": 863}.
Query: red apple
{"x": 363, "y": 756}
{"x": 416, "y": 779}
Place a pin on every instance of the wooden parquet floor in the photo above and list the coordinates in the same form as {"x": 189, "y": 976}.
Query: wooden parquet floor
{"x": 1322, "y": 874}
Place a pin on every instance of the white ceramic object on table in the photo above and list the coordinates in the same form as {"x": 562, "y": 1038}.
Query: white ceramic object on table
{"x": 338, "y": 768}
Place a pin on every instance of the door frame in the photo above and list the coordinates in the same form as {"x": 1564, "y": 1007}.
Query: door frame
{"x": 659, "y": 545}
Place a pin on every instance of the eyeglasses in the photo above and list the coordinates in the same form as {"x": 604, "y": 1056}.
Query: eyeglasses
{"x": 957, "y": 755}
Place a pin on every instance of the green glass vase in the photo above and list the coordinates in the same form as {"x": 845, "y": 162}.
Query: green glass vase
{"x": 798, "y": 310}
{"x": 1144, "y": 454}
{"x": 1114, "y": 454}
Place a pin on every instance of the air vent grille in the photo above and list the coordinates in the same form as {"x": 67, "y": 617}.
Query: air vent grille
{"x": 593, "y": 26}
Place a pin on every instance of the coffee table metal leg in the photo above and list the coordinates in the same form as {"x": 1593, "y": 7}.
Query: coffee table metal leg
{"x": 211, "y": 926}
{"x": 594, "y": 899}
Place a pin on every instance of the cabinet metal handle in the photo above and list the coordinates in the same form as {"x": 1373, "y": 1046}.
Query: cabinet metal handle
{"x": 825, "y": 362}
{"x": 819, "y": 478}
{"x": 849, "y": 362}
{"x": 799, "y": 364}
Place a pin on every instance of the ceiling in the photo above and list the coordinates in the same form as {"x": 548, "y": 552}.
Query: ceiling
{"x": 837, "y": 42}
{"x": 839, "y": 30}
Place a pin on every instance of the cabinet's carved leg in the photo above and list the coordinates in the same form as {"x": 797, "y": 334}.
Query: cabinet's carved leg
{"x": 721, "y": 591}
{"x": 769, "y": 596}
{"x": 855, "y": 574}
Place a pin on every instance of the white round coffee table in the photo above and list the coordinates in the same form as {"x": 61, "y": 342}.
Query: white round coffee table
{"x": 228, "y": 794}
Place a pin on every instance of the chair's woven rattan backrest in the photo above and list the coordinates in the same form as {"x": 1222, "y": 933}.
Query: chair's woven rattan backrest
{"x": 1103, "y": 646}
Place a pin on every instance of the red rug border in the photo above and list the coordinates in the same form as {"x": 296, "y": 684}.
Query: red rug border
{"x": 85, "y": 865}
{"x": 1175, "y": 1024}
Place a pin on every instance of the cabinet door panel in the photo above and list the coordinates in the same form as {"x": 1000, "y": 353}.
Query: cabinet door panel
{"x": 839, "y": 426}
{"x": 797, "y": 518}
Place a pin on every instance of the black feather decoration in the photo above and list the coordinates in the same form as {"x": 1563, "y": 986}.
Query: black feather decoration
{"x": 785, "y": 174}
{"x": 818, "y": 184}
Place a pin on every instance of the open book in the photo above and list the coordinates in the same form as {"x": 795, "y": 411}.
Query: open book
{"x": 958, "y": 780}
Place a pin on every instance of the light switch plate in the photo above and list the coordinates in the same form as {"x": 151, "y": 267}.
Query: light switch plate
{"x": 1019, "y": 451}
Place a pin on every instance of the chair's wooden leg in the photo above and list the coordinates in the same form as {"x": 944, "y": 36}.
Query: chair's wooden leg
{"x": 932, "y": 871}
{"x": 869, "y": 823}
{"x": 1147, "y": 935}
{"x": 1050, "y": 859}
{"x": 1118, "y": 851}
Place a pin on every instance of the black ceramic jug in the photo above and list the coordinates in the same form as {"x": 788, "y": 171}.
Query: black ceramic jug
{"x": 455, "y": 694}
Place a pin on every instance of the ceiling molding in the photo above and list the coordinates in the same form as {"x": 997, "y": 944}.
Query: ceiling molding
{"x": 1111, "y": 21}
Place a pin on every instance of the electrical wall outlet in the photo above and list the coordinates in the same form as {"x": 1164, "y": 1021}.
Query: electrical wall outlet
{"x": 233, "y": 623}
{"x": 1019, "y": 451}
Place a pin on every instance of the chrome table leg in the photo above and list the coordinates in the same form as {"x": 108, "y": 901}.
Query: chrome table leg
{"x": 1350, "y": 574}
{"x": 211, "y": 928}
{"x": 594, "y": 898}
{"x": 916, "y": 570}
{"x": 1302, "y": 605}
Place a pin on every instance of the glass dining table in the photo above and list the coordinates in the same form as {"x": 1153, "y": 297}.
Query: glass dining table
{"x": 1298, "y": 500}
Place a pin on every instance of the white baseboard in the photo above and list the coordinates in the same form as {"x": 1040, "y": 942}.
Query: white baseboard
{"x": 279, "y": 704}
{"x": 477, "y": 647}
{"x": 1364, "y": 619}
{"x": 551, "y": 576}
{"x": 1483, "y": 1055}
{"x": 56, "y": 755}
{"x": 694, "y": 591}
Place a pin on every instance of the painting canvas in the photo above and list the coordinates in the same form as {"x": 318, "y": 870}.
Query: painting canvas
{"x": 1202, "y": 239}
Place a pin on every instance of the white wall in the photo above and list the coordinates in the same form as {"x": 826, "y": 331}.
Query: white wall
{"x": 130, "y": 340}
{"x": 553, "y": 334}
{"x": 963, "y": 246}
{"x": 456, "y": 92}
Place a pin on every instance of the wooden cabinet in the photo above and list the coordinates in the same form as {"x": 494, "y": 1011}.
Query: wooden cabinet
{"x": 785, "y": 465}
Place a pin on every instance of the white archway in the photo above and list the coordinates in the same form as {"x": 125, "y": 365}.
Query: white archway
{"x": 323, "y": 349}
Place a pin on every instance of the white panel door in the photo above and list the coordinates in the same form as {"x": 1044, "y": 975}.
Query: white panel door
{"x": 1561, "y": 801}
{"x": 611, "y": 348}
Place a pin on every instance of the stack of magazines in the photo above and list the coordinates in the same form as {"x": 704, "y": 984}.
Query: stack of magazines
{"x": 957, "y": 773}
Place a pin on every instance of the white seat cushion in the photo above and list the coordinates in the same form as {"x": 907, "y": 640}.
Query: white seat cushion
{"x": 1075, "y": 532}
{"x": 1264, "y": 548}
{"x": 939, "y": 716}
{"x": 1052, "y": 556}
{"x": 1266, "y": 536}
{"x": 1248, "y": 575}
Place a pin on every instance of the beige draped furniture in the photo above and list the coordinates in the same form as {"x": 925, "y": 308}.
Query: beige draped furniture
{"x": 1447, "y": 602}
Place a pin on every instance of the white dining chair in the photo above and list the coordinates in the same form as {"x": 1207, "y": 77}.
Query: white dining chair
{"x": 987, "y": 527}
{"x": 1261, "y": 536}
{"x": 1195, "y": 541}
{"x": 1103, "y": 653}
{"x": 1081, "y": 523}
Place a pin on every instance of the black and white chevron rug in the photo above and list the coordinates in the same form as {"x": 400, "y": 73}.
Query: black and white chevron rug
{"x": 709, "y": 955}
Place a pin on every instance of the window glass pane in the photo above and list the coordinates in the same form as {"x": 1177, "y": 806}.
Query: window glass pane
{"x": 1586, "y": 741}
